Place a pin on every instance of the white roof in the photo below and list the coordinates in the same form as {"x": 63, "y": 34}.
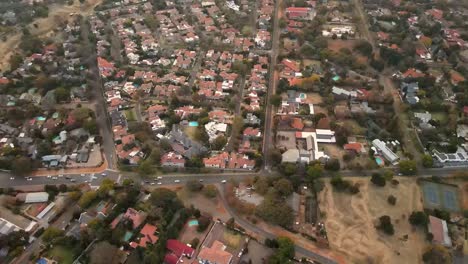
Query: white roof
{"x": 37, "y": 197}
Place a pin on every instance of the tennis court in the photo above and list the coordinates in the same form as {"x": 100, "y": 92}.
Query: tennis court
{"x": 440, "y": 196}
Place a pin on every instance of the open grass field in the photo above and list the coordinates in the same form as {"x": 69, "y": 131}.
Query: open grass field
{"x": 231, "y": 239}
{"x": 350, "y": 220}
{"x": 61, "y": 254}
{"x": 130, "y": 114}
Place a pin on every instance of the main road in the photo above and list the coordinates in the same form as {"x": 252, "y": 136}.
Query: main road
{"x": 268, "y": 133}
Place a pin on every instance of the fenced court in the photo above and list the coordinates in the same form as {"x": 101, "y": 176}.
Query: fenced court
{"x": 440, "y": 196}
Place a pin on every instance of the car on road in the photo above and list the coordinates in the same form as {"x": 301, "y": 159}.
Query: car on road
{"x": 223, "y": 181}
{"x": 93, "y": 178}
{"x": 12, "y": 178}
{"x": 159, "y": 183}
{"x": 60, "y": 175}
{"x": 200, "y": 180}
{"x": 82, "y": 174}
{"x": 103, "y": 174}
{"x": 48, "y": 176}
{"x": 72, "y": 180}
{"x": 86, "y": 181}
{"x": 152, "y": 183}
{"x": 159, "y": 178}
{"x": 177, "y": 181}
{"x": 54, "y": 178}
{"x": 29, "y": 179}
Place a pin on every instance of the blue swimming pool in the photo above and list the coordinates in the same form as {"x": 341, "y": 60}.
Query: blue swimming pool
{"x": 193, "y": 124}
{"x": 193, "y": 222}
{"x": 379, "y": 161}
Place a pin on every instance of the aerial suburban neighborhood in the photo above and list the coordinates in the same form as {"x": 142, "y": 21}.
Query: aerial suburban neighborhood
{"x": 233, "y": 131}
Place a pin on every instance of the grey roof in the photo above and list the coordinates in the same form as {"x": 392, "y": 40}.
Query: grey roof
{"x": 191, "y": 147}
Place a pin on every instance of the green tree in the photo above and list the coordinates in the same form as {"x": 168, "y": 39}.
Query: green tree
{"x": 437, "y": 254}
{"x": 418, "y": 218}
{"x": 314, "y": 171}
{"x": 261, "y": 185}
{"x": 364, "y": 47}
{"x": 145, "y": 168}
{"x": 276, "y": 212}
{"x": 106, "y": 187}
{"x": 284, "y": 187}
{"x": 210, "y": 191}
{"x": 276, "y": 100}
{"x": 284, "y": 253}
{"x": 21, "y": 166}
{"x": 87, "y": 198}
{"x": 61, "y": 94}
{"x": 289, "y": 169}
{"x": 219, "y": 143}
{"x": 332, "y": 165}
{"x": 385, "y": 224}
{"x": 427, "y": 161}
{"x": 378, "y": 179}
{"x": 51, "y": 233}
{"x": 407, "y": 167}
{"x": 391, "y": 199}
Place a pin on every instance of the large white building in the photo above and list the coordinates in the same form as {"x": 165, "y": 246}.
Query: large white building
{"x": 385, "y": 151}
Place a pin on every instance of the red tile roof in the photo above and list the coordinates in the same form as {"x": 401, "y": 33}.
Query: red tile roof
{"x": 357, "y": 147}
{"x": 179, "y": 249}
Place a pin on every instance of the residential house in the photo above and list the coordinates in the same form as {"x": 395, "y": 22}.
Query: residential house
{"x": 216, "y": 254}
{"x": 172, "y": 159}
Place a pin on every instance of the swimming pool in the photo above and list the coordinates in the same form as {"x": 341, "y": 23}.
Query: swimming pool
{"x": 193, "y": 222}
{"x": 193, "y": 124}
{"x": 302, "y": 96}
{"x": 379, "y": 161}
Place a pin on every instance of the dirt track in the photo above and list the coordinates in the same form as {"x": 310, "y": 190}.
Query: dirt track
{"x": 350, "y": 223}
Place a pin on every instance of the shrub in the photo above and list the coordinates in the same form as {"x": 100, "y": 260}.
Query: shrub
{"x": 418, "y": 218}
{"x": 391, "y": 200}
{"x": 386, "y": 225}
{"x": 378, "y": 179}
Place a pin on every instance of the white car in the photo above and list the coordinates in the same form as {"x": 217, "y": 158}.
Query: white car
{"x": 223, "y": 181}
{"x": 72, "y": 180}
{"x": 60, "y": 175}
{"x": 86, "y": 181}
{"x": 12, "y": 178}
{"x": 200, "y": 180}
{"x": 82, "y": 175}
{"x": 48, "y": 176}
{"x": 103, "y": 174}
{"x": 159, "y": 183}
{"x": 159, "y": 178}
{"x": 177, "y": 181}
{"x": 54, "y": 178}
{"x": 29, "y": 179}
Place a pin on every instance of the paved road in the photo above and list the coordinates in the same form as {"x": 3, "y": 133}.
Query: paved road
{"x": 96, "y": 85}
{"x": 268, "y": 131}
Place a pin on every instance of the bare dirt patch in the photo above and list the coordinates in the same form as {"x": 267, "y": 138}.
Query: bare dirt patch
{"x": 313, "y": 98}
{"x": 337, "y": 44}
{"x": 214, "y": 207}
{"x": 350, "y": 222}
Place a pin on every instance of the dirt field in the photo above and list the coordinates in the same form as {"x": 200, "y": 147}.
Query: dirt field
{"x": 350, "y": 223}
{"x": 211, "y": 206}
{"x": 57, "y": 14}
{"x": 313, "y": 98}
{"x": 336, "y": 44}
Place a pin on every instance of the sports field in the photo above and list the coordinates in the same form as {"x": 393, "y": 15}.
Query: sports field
{"x": 440, "y": 196}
